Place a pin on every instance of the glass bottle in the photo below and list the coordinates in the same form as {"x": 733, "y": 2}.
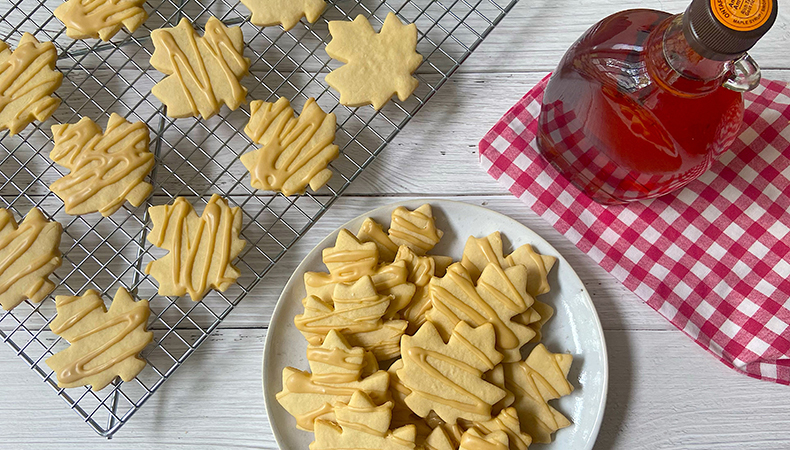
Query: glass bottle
{"x": 644, "y": 101}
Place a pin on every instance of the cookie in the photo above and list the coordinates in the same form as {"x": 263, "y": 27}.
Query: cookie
{"x": 361, "y": 425}
{"x": 100, "y": 18}
{"x": 439, "y": 440}
{"x": 30, "y": 254}
{"x": 421, "y": 270}
{"x": 498, "y": 298}
{"x": 267, "y": 13}
{"x": 201, "y": 249}
{"x": 508, "y": 422}
{"x": 377, "y": 66}
{"x": 415, "y": 229}
{"x": 295, "y": 151}
{"x": 372, "y": 231}
{"x": 356, "y": 311}
{"x": 105, "y": 169}
{"x": 448, "y": 378}
{"x": 542, "y": 377}
{"x": 203, "y": 72}
{"x": 104, "y": 344}
{"x": 479, "y": 252}
{"x": 338, "y": 371}
{"x": 475, "y": 440}
{"x": 393, "y": 280}
{"x": 538, "y": 266}
{"x": 543, "y": 312}
{"x": 29, "y": 79}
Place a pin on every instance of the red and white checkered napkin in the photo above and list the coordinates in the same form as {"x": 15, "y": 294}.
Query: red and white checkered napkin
{"x": 713, "y": 258}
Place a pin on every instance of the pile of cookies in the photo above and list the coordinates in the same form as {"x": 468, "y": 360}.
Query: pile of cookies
{"x": 107, "y": 168}
{"x": 412, "y": 350}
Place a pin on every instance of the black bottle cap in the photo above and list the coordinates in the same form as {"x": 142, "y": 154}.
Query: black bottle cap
{"x": 726, "y": 29}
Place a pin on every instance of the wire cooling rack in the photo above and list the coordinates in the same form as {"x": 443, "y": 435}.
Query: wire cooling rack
{"x": 195, "y": 159}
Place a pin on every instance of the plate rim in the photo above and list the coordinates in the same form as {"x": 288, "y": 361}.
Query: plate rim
{"x": 267, "y": 347}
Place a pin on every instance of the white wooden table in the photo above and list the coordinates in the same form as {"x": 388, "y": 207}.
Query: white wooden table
{"x": 664, "y": 392}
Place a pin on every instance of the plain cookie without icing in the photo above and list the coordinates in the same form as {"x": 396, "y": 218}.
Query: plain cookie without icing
{"x": 30, "y": 254}
{"x": 104, "y": 344}
{"x": 27, "y": 81}
{"x": 295, "y": 151}
{"x": 203, "y": 72}
{"x": 267, "y": 13}
{"x": 106, "y": 169}
{"x": 100, "y": 18}
{"x": 377, "y": 66}
{"x": 201, "y": 249}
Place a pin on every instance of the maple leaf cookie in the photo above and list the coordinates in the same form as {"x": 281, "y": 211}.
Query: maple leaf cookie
{"x": 201, "y": 249}
{"x": 203, "y": 72}
{"x": 104, "y": 344}
{"x": 377, "y": 66}
{"x": 30, "y": 254}
{"x": 29, "y": 78}
{"x": 100, "y": 18}
{"x": 106, "y": 169}
{"x": 338, "y": 371}
{"x": 295, "y": 151}
{"x": 267, "y": 13}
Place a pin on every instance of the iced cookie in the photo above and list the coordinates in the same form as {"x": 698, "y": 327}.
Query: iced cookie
{"x": 267, "y": 13}
{"x": 30, "y": 254}
{"x": 480, "y": 252}
{"x": 203, "y": 72}
{"x": 201, "y": 249}
{"x": 498, "y": 298}
{"x": 106, "y": 169}
{"x": 372, "y": 231}
{"x": 338, "y": 371}
{"x": 415, "y": 229}
{"x": 543, "y": 312}
{"x": 104, "y": 344}
{"x": 542, "y": 377}
{"x": 473, "y": 439}
{"x": 295, "y": 151}
{"x": 29, "y": 79}
{"x": 497, "y": 378}
{"x": 356, "y": 311}
{"x": 100, "y": 18}
{"x": 448, "y": 378}
{"x": 376, "y": 65}
{"x": 508, "y": 422}
{"x": 361, "y": 425}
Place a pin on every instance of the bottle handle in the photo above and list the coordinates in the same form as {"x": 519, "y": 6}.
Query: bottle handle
{"x": 744, "y": 76}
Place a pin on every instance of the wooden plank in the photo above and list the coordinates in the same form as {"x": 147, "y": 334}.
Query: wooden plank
{"x": 664, "y": 392}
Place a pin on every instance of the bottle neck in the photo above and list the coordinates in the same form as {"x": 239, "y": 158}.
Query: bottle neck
{"x": 677, "y": 67}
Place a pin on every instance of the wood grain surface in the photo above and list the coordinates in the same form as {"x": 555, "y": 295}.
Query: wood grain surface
{"x": 664, "y": 393}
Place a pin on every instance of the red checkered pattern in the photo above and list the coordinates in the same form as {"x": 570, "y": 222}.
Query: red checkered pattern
{"x": 713, "y": 258}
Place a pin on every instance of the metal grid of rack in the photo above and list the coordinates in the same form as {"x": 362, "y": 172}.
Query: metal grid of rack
{"x": 196, "y": 158}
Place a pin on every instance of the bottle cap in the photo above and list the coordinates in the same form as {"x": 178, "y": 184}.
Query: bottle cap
{"x": 726, "y": 29}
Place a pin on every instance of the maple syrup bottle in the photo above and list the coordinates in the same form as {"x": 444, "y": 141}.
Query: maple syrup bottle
{"x": 644, "y": 101}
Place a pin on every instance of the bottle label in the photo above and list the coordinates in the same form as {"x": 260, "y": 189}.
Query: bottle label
{"x": 742, "y": 15}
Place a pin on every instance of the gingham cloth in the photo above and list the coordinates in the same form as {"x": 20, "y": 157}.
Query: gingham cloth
{"x": 713, "y": 258}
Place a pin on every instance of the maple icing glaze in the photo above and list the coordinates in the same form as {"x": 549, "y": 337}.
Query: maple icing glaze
{"x": 419, "y": 356}
{"x": 17, "y": 74}
{"x": 98, "y": 161}
{"x": 215, "y": 224}
{"x": 351, "y": 265}
{"x": 219, "y": 46}
{"x": 445, "y": 302}
{"x": 424, "y": 237}
{"x": 130, "y": 320}
{"x": 294, "y": 150}
{"x": 16, "y": 244}
{"x": 88, "y": 17}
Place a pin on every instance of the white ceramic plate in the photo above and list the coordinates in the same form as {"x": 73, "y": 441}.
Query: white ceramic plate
{"x": 575, "y": 327}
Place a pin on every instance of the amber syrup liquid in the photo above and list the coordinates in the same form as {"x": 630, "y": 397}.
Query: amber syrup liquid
{"x": 622, "y": 124}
